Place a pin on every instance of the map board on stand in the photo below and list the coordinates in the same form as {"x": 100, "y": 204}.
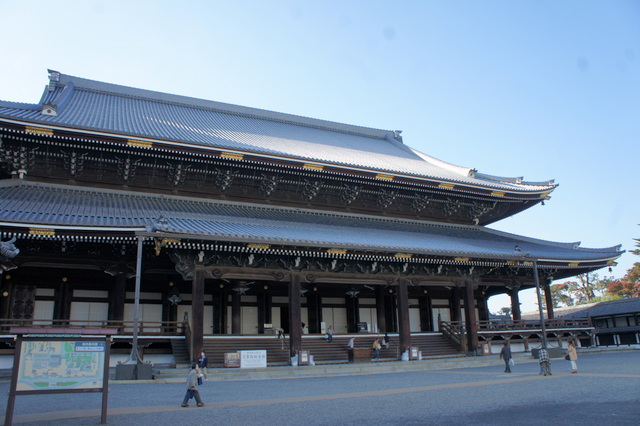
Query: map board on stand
{"x": 60, "y": 361}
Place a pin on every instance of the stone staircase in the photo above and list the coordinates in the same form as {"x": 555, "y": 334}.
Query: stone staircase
{"x": 431, "y": 345}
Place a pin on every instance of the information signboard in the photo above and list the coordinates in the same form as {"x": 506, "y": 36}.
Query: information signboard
{"x": 60, "y": 361}
{"x": 253, "y": 359}
{"x": 49, "y": 364}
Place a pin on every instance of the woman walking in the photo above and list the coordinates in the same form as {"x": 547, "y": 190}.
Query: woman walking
{"x": 573, "y": 356}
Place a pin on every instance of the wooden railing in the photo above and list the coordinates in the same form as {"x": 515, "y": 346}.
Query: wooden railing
{"x": 454, "y": 331}
{"x": 145, "y": 328}
{"x": 533, "y": 324}
{"x": 454, "y": 328}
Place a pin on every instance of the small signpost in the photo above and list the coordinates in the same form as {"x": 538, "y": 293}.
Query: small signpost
{"x": 253, "y": 359}
{"x": 60, "y": 361}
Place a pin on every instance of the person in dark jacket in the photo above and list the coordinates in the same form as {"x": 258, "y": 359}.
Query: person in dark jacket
{"x": 202, "y": 364}
{"x": 505, "y": 354}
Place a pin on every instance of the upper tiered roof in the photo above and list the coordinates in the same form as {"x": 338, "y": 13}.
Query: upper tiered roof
{"x": 78, "y": 104}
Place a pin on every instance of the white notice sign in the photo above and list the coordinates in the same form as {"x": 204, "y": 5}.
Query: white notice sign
{"x": 253, "y": 359}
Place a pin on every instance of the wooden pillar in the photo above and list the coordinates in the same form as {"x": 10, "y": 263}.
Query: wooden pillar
{"x": 352, "y": 305}
{"x": 260, "y": 299}
{"x": 219, "y": 309}
{"x": 236, "y": 317}
{"x": 391, "y": 308}
{"x": 169, "y": 309}
{"x": 314, "y": 307}
{"x": 548, "y": 300}
{"x": 117, "y": 296}
{"x": 471, "y": 321}
{"x": 515, "y": 304}
{"x": 456, "y": 314}
{"x": 5, "y": 288}
{"x": 295, "y": 315}
{"x": 426, "y": 313}
{"x": 380, "y": 309}
{"x": 404, "y": 327}
{"x": 62, "y": 303}
{"x": 483, "y": 308}
{"x": 197, "y": 311}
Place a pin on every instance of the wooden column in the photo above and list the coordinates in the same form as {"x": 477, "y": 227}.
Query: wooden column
{"x": 260, "y": 299}
{"x": 295, "y": 315}
{"x": 380, "y": 309}
{"x": 426, "y": 313}
{"x": 456, "y": 314}
{"x": 5, "y": 301}
{"x": 313, "y": 316}
{"x": 169, "y": 310}
{"x": 216, "y": 299}
{"x": 117, "y": 295}
{"x": 391, "y": 307}
{"x": 548, "y": 300}
{"x": 404, "y": 327}
{"x": 62, "y": 303}
{"x": 483, "y": 308}
{"x": 471, "y": 321}
{"x": 197, "y": 311}
{"x": 515, "y": 304}
{"x": 353, "y": 313}
{"x": 236, "y": 317}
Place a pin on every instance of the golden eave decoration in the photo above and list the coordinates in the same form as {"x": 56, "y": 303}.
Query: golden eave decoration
{"x": 337, "y": 251}
{"x": 38, "y": 130}
{"x": 258, "y": 246}
{"x": 139, "y": 144}
{"x": 311, "y": 166}
{"x": 232, "y": 155}
{"x": 160, "y": 243}
{"x": 403, "y": 255}
{"x": 42, "y": 231}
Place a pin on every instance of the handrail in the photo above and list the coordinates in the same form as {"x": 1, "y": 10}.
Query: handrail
{"x": 148, "y": 328}
{"x": 492, "y": 325}
{"x": 186, "y": 330}
{"x": 454, "y": 331}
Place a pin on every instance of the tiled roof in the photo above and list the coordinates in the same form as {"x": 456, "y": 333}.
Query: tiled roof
{"x": 44, "y": 205}
{"x": 95, "y": 106}
{"x": 603, "y": 309}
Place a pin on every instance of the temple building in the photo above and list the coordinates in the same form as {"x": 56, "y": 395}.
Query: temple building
{"x": 118, "y": 201}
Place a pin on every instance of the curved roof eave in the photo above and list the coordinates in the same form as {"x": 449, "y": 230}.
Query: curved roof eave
{"x": 36, "y": 205}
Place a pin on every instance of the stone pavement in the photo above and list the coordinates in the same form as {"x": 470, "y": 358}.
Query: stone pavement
{"x": 605, "y": 391}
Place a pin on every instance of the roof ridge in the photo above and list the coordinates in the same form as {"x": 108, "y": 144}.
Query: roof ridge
{"x": 205, "y": 104}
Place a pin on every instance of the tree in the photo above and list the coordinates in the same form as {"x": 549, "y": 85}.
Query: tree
{"x": 505, "y": 310}
{"x": 585, "y": 289}
{"x": 627, "y": 286}
{"x": 559, "y": 295}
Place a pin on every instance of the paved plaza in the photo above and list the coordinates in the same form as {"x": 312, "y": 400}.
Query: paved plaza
{"x": 606, "y": 390}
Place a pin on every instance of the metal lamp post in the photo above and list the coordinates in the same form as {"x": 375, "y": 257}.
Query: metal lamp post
{"x": 541, "y": 312}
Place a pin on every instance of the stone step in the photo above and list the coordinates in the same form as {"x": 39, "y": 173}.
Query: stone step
{"x": 178, "y": 374}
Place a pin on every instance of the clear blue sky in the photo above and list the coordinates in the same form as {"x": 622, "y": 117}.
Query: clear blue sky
{"x": 540, "y": 89}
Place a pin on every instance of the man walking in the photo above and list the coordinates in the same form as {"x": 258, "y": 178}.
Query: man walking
{"x": 505, "y": 354}
{"x": 192, "y": 386}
